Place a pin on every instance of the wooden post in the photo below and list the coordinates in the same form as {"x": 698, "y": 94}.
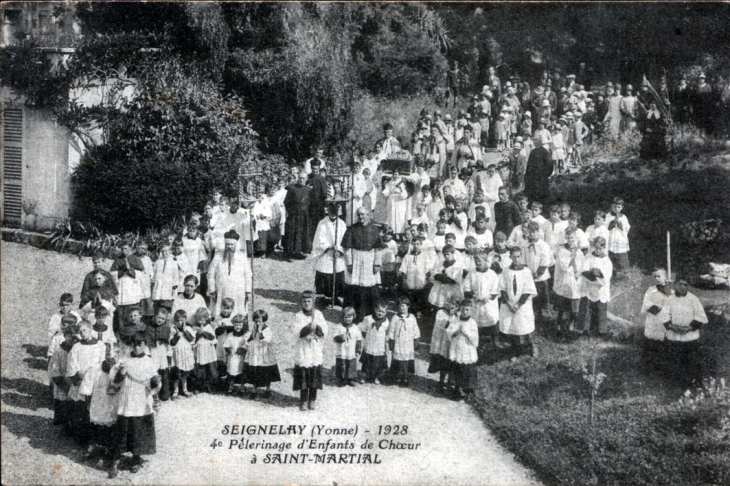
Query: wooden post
{"x": 253, "y": 250}
{"x": 334, "y": 264}
{"x": 669, "y": 257}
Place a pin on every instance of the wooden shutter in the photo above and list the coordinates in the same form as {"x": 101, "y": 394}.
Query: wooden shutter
{"x": 12, "y": 170}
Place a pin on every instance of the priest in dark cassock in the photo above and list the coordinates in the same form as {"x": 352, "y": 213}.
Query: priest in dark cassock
{"x": 317, "y": 197}
{"x": 537, "y": 175}
{"x": 107, "y": 289}
{"x": 362, "y": 245}
{"x": 297, "y": 240}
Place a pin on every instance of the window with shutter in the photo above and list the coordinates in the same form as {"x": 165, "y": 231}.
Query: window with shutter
{"x": 12, "y": 166}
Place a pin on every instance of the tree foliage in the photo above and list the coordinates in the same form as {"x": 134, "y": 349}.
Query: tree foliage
{"x": 399, "y": 50}
{"x": 164, "y": 146}
{"x": 27, "y": 70}
{"x": 620, "y": 41}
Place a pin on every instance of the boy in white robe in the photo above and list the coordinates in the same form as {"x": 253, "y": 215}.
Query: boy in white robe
{"x": 414, "y": 272}
{"x": 348, "y": 339}
{"x": 618, "y": 236}
{"x": 516, "y": 316}
{"x": 683, "y": 317}
{"x": 168, "y": 276}
{"x": 403, "y": 336}
{"x": 329, "y": 255}
{"x": 82, "y": 366}
{"x": 554, "y": 227}
{"x": 569, "y": 264}
{"x": 481, "y": 286}
{"x": 595, "y": 289}
{"x": 655, "y": 299}
{"x": 310, "y": 330}
{"x": 464, "y": 338}
{"x": 60, "y": 386}
{"x": 481, "y": 233}
{"x": 374, "y": 329}
{"x": 573, "y": 225}
{"x": 398, "y": 203}
{"x": 500, "y": 253}
{"x": 138, "y": 382}
{"x": 598, "y": 228}
{"x": 538, "y": 258}
{"x": 55, "y": 327}
{"x": 536, "y": 212}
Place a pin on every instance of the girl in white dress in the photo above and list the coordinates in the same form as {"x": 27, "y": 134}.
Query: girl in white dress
{"x": 183, "y": 359}
{"x": 235, "y": 349}
{"x": 206, "y": 357}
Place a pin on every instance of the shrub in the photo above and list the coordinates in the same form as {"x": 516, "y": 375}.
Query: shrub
{"x": 164, "y": 149}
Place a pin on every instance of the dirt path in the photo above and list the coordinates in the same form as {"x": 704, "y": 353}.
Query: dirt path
{"x": 449, "y": 443}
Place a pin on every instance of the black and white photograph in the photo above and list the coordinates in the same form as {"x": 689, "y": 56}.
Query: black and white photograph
{"x": 365, "y": 243}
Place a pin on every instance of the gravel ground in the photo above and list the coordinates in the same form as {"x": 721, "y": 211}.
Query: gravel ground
{"x": 454, "y": 446}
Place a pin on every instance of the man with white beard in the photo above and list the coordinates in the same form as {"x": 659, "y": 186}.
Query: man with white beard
{"x": 230, "y": 276}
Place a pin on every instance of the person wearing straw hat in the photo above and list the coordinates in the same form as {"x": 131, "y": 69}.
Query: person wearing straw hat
{"x": 518, "y": 165}
{"x": 578, "y": 133}
{"x": 229, "y": 276}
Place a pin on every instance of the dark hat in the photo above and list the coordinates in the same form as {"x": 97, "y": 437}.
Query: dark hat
{"x": 316, "y": 163}
{"x": 231, "y": 235}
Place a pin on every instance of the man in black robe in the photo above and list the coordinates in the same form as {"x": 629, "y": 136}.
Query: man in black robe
{"x": 539, "y": 168}
{"x": 362, "y": 243}
{"x": 317, "y": 198}
{"x": 297, "y": 240}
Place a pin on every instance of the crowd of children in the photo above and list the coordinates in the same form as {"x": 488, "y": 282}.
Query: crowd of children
{"x": 107, "y": 380}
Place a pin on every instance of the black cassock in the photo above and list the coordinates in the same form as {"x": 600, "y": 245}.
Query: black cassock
{"x": 297, "y": 238}
{"x": 539, "y": 168}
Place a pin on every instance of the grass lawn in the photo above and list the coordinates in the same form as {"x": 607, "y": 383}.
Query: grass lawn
{"x": 642, "y": 433}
